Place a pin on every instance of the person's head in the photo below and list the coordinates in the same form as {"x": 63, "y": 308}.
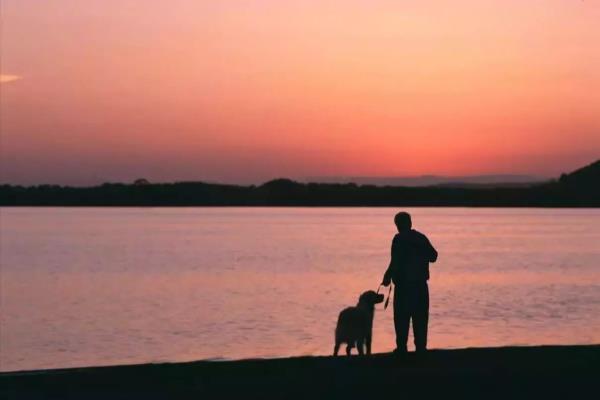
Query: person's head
{"x": 403, "y": 221}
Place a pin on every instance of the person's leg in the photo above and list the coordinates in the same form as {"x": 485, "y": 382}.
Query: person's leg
{"x": 421, "y": 316}
{"x": 401, "y": 319}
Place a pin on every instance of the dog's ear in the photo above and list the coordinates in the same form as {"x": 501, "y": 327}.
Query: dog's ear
{"x": 370, "y": 297}
{"x": 365, "y": 298}
{"x": 375, "y": 298}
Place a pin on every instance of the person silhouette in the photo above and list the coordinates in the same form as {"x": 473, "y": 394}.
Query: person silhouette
{"x": 409, "y": 270}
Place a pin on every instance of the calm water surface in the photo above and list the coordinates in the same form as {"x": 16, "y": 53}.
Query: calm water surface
{"x": 92, "y": 286}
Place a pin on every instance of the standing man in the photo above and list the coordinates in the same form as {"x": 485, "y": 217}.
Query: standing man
{"x": 409, "y": 270}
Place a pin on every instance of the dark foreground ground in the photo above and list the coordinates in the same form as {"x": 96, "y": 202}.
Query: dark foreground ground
{"x": 567, "y": 372}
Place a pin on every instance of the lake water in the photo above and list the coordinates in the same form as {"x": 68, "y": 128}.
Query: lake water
{"x": 98, "y": 286}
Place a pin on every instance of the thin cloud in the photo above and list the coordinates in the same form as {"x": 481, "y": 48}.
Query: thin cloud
{"x": 9, "y": 78}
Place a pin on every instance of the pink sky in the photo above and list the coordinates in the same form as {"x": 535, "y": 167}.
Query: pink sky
{"x": 245, "y": 91}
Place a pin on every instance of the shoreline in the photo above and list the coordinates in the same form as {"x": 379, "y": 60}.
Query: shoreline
{"x": 505, "y": 372}
{"x": 575, "y": 189}
{"x": 534, "y": 207}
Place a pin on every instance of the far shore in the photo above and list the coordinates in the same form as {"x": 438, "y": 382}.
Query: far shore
{"x": 505, "y": 372}
{"x": 577, "y": 189}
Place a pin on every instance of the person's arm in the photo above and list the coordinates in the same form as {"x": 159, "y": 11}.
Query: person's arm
{"x": 432, "y": 253}
{"x": 387, "y": 277}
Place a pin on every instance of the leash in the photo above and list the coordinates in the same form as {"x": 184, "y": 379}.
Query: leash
{"x": 387, "y": 301}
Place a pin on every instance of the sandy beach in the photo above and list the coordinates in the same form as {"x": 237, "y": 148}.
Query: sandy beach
{"x": 507, "y": 372}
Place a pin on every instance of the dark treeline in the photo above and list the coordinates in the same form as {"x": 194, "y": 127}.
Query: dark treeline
{"x": 578, "y": 189}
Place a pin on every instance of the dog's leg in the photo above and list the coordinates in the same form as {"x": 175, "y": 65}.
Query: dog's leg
{"x": 336, "y": 348}
{"x": 348, "y": 348}
{"x": 368, "y": 344}
{"x": 359, "y": 346}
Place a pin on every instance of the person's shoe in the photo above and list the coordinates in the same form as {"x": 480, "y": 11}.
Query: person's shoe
{"x": 421, "y": 354}
{"x": 400, "y": 352}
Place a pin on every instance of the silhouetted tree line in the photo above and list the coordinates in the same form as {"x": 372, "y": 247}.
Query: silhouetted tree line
{"x": 578, "y": 189}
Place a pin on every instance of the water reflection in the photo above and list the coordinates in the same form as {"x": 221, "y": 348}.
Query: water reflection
{"x": 108, "y": 286}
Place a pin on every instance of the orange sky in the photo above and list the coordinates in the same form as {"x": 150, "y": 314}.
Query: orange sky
{"x": 245, "y": 91}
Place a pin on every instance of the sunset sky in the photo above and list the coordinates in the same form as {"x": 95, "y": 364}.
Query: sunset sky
{"x": 245, "y": 91}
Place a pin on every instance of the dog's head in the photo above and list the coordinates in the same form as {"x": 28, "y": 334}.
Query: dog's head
{"x": 370, "y": 298}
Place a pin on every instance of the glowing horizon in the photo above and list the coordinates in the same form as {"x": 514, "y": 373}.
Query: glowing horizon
{"x": 246, "y": 92}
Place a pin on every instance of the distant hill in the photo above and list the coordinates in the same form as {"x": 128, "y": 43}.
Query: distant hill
{"x": 583, "y": 184}
{"x": 583, "y": 177}
{"x": 580, "y": 188}
{"x": 436, "y": 180}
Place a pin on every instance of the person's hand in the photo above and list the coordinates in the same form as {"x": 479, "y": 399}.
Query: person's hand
{"x": 386, "y": 282}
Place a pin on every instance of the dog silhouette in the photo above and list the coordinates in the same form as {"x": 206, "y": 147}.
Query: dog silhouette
{"x": 355, "y": 324}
